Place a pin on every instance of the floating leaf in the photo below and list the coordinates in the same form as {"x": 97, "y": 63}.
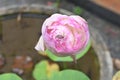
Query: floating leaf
{"x": 9, "y": 76}
{"x": 48, "y": 71}
{"x": 44, "y": 70}
{"x": 68, "y": 58}
{"x": 70, "y": 75}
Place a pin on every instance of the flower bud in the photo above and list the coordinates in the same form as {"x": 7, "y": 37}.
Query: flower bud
{"x": 64, "y": 35}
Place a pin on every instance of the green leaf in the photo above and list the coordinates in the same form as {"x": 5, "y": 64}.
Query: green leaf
{"x": 43, "y": 70}
{"x": 68, "y": 58}
{"x": 77, "y": 10}
{"x": 9, "y": 76}
{"x": 70, "y": 75}
{"x": 39, "y": 72}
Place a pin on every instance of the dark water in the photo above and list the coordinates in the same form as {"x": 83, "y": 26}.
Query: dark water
{"x": 18, "y": 37}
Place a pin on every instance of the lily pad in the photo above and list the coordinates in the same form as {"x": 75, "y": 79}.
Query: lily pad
{"x": 9, "y": 76}
{"x": 70, "y": 75}
{"x": 68, "y": 58}
{"x": 50, "y": 71}
{"x": 43, "y": 70}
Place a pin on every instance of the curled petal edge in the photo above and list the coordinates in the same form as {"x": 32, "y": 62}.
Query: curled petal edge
{"x": 40, "y": 46}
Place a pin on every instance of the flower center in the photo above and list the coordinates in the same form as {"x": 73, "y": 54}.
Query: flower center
{"x": 60, "y": 36}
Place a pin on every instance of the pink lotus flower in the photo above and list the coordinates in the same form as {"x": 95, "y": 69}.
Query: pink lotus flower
{"x": 64, "y": 35}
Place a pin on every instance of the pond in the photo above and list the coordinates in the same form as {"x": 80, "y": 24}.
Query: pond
{"x": 19, "y": 34}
